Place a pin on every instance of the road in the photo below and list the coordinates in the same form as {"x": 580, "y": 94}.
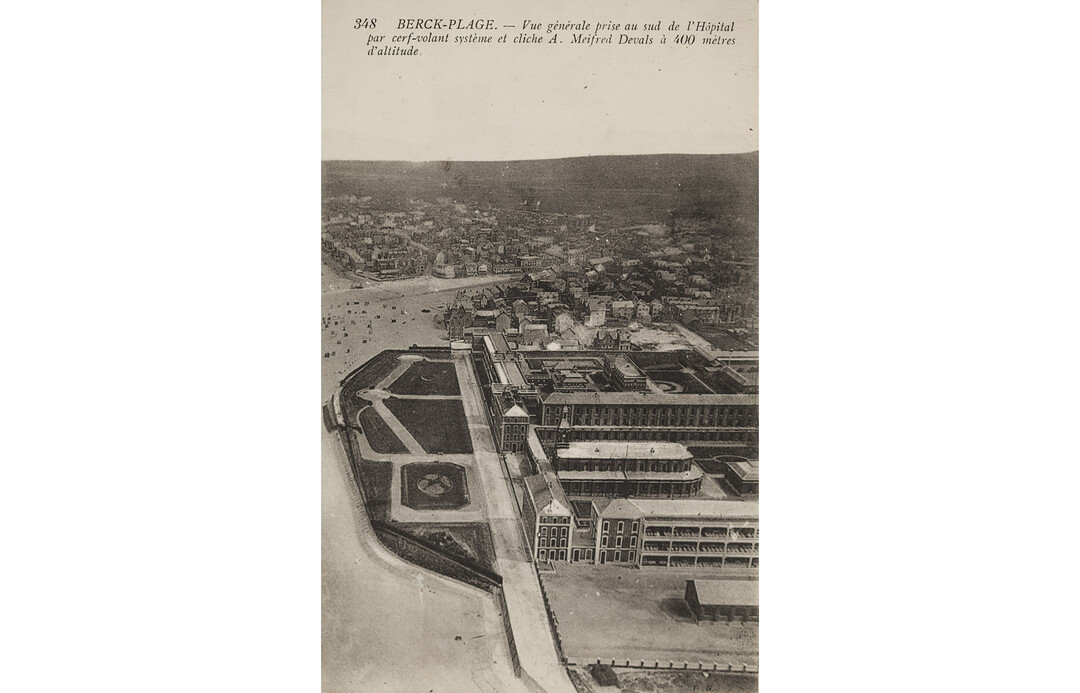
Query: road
{"x": 528, "y": 617}
{"x": 335, "y": 283}
{"x": 708, "y": 349}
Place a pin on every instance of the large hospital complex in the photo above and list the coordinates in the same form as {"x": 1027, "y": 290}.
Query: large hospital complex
{"x": 643, "y": 458}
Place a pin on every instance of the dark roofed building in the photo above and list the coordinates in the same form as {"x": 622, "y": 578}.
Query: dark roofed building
{"x": 742, "y": 476}
{"x": 723, "y": 600}
{"x": 646, "y": 469}
{"x": 683, "y": 418}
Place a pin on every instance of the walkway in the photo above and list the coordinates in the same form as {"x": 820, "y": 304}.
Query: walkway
{"x": 528, "y": 617}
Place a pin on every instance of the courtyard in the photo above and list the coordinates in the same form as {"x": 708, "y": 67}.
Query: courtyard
{"x": 624, "y": 613}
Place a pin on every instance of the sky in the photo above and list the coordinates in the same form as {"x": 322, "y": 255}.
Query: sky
{"x": 506, "y": 101}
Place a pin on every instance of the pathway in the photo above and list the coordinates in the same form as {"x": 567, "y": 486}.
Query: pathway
{"x": 528, "y": 617}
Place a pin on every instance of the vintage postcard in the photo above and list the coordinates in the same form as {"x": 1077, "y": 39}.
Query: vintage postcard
{"x": 539, "y": 331}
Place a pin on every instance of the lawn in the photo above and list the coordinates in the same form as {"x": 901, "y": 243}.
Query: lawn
{"x": 378, "y": 434}
{"x": 375, "y": 478}
{"x": 687, "y": 382}
{"x": 428, "y": 378}
{"x": 470, "y": 542}
{"x": 712, "y": 466}
{"x": 653, "y": 620}
{"x": 645, "y": 681}
{"x": 366, "y": 377}
{"x": 439, "y": 425}
{"x": 720, "y": 338}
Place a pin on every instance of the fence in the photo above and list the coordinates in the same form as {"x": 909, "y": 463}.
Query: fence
{"x": 504, "y": 613}
{"x": 553, "y": 622}
{"x": 668, "y": 664}
{"x": 416, "y": 550}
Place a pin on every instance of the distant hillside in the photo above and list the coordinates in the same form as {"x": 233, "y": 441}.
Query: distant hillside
{"x": 667, "y": 184}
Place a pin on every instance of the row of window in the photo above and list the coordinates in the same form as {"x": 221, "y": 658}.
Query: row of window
{"x": 555, "y": 531}
{"x": 671, "y": 435}
{"x": 553, "y": 554}
{"x": 554, "y": 519}
{"x": 652, "y": 415}
{"x": 631, "y": 488}
{"x": 631, "y": 542}
{"x": 623, "y": 465}
{"x": 619, "y": 527}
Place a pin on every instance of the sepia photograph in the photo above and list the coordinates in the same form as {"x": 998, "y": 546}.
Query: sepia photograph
{"x": 540, "y": 364}
{"x": 542, "y": 393}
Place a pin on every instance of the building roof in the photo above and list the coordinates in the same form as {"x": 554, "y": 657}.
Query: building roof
{"x": 559, "y": 398}
{"x": 626, "y": 367}
{"x": 516, "y": 410}
{"x": 746, "y": 470}
{"x": 622, "y": 450}
{"x": 513, "y": 373}
{"x": 726, "y": 592}
{"x": 546, "y": 495}
{"x": 582, "y": 508}
{"x": 544, "y": 488}
{"x": 682, "y": 509}
{"x": 573, "y": 475}
{"x": 499, "y": 343}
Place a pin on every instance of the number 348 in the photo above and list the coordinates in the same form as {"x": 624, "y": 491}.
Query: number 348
{"x": 365, "y": 24}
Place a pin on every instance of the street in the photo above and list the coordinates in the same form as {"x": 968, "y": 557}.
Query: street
{"x": 528, "y": 617}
